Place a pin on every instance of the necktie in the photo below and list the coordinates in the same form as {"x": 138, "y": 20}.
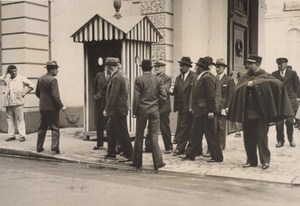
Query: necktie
{"x": 282, "y": 74}
{"x": 183, "y": 77}
{"x": 218, "y": 77}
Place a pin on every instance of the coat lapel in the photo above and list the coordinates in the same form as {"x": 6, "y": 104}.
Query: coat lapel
{"x": 188, "y": 81}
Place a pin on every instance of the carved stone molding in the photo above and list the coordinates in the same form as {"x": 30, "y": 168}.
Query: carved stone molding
{"x": 159, "y": 52}
{"x": 153, "y": 6}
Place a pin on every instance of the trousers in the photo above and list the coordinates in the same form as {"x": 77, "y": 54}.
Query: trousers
{"x": 15, "y": 120}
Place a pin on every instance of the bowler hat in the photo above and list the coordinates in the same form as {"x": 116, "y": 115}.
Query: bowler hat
{"x": 159, "y": 63}
{"x": 51, "y": 64}
{"x": 203, "y": 63}
{"x": 186, "y": 61}
{"x": 254, "y": 59}
{"x": 146, "y": 63}
{"x": 209, "y": 60}
{"x": 281, "y": 60}
{"x": 112, "y": 61}
{"x": 220, "y": 62}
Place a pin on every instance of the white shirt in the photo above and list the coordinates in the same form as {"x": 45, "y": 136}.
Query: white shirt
{"x": 220, "y": 75}
{"x": 282, "y": 73}
{"x": 186, "y": 74}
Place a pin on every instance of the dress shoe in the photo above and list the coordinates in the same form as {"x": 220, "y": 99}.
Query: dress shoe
{"x": 213, "y": 161}
{"x": 265, "y": 166}
{"x": 10, "y": 139}
{"x": 237, "y": 134}
{"x": 159, "y": 166}
{"x": 186, "y": 157}
{"x": 109, "y": 156}
{"x": 56, "y": 151}
{"x": 147, "y": 150}
{"x": 176, "y": 153}
{"x": 207, "y": 155}
{"x": 22, "y": 139}
{"x": 248, "y": 165}
{"x": 279, "y": 144}
{"x": 40, "y": 150}
{"x": 168, "y": 151}
{"x": 125, "y": 159}
{"x": 137, "y": 166}
{"x": 97, "y": 147}
{"x": 292, "y": 144}
{"x": 199, "y": 154}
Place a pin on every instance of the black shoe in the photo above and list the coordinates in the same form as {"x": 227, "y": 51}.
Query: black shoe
{"x": 56, "y": 151}
{"x": 168, "y": 151}
{"x": 249, "y": 165}
{"x": 147, "y": 150}
{"x": 207, "y": 155}
{"x": 137, "y": 166}
{"x": 159, "y": 166}
{"x": 10, "y": 139}
{"x": 213, "y": 161}
{"x": 40, "y": 150}
{"x": 265, "y": 166}
{"x": 22, "y": 139}
{"x": 176, "y": 153}
{"x": 97, "y": 147}
{"x": 186, "y": 157}
{"x": 292, "y": 144}
{"x": 279, "y": 144}
{"x": 109, "y": 156}
{"x": 125, "y": 159}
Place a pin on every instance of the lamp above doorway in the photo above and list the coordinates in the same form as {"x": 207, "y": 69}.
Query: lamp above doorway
{"x": 117, "y": 5}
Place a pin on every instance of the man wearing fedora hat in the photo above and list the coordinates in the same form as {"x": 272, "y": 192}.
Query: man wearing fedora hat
{"x": 259, "y": 99}
{"x": 203, "y": 107}
{"x": 116, "y": 110}
{"x": 182, "y": 91}
{"x": 149, "y": 91}
{"x": 291, "y": 81}
{"x": 17, "y": 87}
{"x": 50, "y": 104}
{"x": 226, "y": 87}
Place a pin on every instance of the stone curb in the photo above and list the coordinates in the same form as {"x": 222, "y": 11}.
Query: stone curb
{"x": 294, "y": 181}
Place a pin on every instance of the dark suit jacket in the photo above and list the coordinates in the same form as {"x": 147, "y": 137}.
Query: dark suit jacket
{"x": 226, "y": 85}
{"x": 48, "y": 92}
{"x": 116, "y": 96}
{"x": 291, "y": 82}
{"x": 165, "y": 106}
{"x": 100, "y": 86}
{"x": 203, "y": 96}
{"x": 149, "y": 91}
{"x": 188, "y": 83}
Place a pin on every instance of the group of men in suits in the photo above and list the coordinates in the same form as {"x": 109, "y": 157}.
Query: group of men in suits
{"x": 201, "y": 100}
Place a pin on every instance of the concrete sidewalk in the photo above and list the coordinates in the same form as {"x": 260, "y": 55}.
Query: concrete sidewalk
{"x": 284, "y": 167}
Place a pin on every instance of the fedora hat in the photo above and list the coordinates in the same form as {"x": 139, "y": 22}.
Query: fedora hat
{"x": 202, "y": 62}
{"x": 220, "y": 62}
{"x": 146, "y": 63}
{"x": 209, "y": 60}
{"x": 281, "y": 60}
{"x": 51, "y": 64}
{"x": 112, "y": 61}
{"x": 158, "y": 63}
{"x": 186, "y": 61}
{"x": 254, "y": 59}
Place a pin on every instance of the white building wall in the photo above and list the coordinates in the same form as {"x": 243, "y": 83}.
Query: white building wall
{"x": 282, "y": 37}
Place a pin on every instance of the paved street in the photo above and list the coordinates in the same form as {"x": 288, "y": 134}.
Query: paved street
{"x": 30, "y": 183}
{"x": 284, "y": 168}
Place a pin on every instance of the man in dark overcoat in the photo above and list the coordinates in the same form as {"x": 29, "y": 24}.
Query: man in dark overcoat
{"x": 100, "y": 86}
{"x": 291, "y": 82}
{"x": 116, "y": 110}
{"x": 203, "y": 107}
{"x": 259, "y": 99}
{"x": 182, "y": 91}
{"x": 165, "y": 107}
{"x": 226, "y": 86}
{"x": 50, "y": 104}
{"x": 149, "y": 91}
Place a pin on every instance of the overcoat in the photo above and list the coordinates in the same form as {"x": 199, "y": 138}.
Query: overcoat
{"x": 187, "y": 87}
{"x": 291, "y": 83}
{"x": 116, "y": 96}
{"x": 273, "y": 99}
{"x": 226, "y": 85}
{"x": 165, "y": 106}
